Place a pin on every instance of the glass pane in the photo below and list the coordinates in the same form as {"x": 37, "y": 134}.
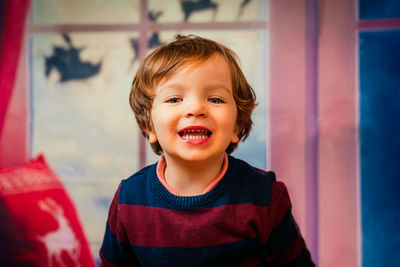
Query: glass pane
{"x": 251, "y": 47}
{"x": 372, "y": 9}
{"x": 173, "y": 11}
{"x": 380, "y": 146}
{"x": 85, "y": 11}
{"x": 81, "y": 118}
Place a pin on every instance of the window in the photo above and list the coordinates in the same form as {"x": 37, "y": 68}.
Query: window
{"x": 83, "y": 55}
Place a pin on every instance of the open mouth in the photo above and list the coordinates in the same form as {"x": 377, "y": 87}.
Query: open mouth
{"x": 195, "y": 133}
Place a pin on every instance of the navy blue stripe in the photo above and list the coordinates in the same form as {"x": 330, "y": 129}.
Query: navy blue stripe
{"x": 242, "y": 183}
{"x": 304, "y": 260}
{"x": 282, "y": 237}
{"x": 115, "y": 251}
{"x": 222, "y": 255}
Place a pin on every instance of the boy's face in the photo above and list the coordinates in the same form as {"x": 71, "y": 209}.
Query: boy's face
{"x": 194, "y": 112}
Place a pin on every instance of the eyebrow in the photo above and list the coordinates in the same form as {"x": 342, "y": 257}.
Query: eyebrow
{"x": 181, "y": 86}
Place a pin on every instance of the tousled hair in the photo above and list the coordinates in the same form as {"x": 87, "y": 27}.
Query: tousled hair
{"x": 167, "y": 59}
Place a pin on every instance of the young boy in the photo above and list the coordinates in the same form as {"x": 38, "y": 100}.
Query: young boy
{"x": 198, "y": 206}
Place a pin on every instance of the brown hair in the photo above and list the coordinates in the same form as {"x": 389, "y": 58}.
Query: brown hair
{"x": 167, "y": 59}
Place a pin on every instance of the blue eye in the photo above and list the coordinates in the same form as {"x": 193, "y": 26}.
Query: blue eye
{"x": 216, "y": 100}
{"x": 174, "y": 100}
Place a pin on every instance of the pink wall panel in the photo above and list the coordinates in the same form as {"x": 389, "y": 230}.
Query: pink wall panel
{"x": 287, "y": 100}
{"x": 333, "y": 74}
{"x": 338, "y": 192}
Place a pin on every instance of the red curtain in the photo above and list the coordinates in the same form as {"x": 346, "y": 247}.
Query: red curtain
{"x": 13, "y": 15}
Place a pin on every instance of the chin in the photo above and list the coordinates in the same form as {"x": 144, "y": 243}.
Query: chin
{"x": 201, "y": 156}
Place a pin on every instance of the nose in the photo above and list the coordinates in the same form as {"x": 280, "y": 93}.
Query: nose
{"x": 196, "y": 108}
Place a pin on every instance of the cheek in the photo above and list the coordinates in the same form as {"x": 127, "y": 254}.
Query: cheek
{"x": 154, "y": 120}
{"x": 161, "y": 120}
{"x": 229, "y": 120}
{"x": 234, "y": 115}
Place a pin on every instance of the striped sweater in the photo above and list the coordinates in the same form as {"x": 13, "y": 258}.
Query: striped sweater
{"x": 245, "y": 220}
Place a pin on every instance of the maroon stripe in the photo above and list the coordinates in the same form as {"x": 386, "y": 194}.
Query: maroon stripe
{"x": 113, "y": 212}
{"x": 278, "y": 207}
{"x": 158, "y": 227}
{"x": 114, "y": 220}
{"x": 280, "y": 203}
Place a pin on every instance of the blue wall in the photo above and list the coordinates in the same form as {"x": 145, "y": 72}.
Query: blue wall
{"x": 380, "y": 146}
{"x": 379, "y": 9}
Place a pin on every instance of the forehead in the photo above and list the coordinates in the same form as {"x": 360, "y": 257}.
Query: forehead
{"x": 212, "y": 70}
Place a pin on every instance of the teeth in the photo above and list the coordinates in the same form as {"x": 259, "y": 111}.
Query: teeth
{"x": 186, "y": 136}
{"x": 195, "y": 134}
{"x": 195, "y": 131}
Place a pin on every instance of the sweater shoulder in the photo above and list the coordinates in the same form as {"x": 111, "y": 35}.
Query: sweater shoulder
{"x": 133, "y": 190}
{"x": 139, "y": 175}
{"x": 254, "y": 174}
{"x": 252, "y": 185}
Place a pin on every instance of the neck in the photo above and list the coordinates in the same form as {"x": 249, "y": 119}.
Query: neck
{"x": 192, "y": 178}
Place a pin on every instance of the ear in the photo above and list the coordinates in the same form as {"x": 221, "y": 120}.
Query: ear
{"x": 152, "y": 138}
{"x": 235, "y": 138}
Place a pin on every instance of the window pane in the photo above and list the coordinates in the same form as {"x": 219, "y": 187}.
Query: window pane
{"x": 173, "y": 11}
{"x": 85, "y": 11}
{"x": 81, "y": 118}
{"x": 251, "y": 47}
{"x": 372, "y": 9}
{"x": 380, "y": 146}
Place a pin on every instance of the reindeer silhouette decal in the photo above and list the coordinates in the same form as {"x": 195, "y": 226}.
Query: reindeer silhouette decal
{"x": 69, "y": 64}
{"x": 63, "y": 239}
{"x": 242, "y": 6}
{"x": 191, "y": 6}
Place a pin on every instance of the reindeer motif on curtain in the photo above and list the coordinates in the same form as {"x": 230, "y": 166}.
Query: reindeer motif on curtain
{"x": 62, "y": 239}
